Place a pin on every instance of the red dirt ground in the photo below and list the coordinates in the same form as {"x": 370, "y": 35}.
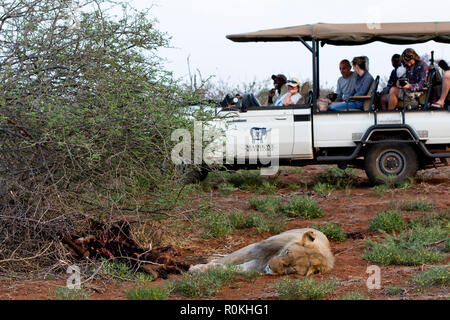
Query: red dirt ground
{"x": 351, "y": 209}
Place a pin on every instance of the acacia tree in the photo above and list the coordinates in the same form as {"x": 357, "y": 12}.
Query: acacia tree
{"x": 86, "y": 112}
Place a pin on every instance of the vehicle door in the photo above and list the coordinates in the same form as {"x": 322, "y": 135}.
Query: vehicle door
{"x": 262, "y": 129}
{"x": 302, "y": 148}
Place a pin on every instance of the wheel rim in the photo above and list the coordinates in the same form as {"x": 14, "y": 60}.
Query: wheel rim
{"x": 391, "y": 162}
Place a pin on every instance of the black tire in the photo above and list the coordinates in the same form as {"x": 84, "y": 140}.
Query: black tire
{"x": 393, "y": 162}
{"x": 192, "y": 173}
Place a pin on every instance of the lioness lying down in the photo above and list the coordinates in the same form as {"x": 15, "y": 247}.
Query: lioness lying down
{"x": 303, "y": 251}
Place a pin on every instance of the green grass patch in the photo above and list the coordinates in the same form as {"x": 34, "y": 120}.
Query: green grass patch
{"x": 446, "y": 246}
{"x": 209, "y": 283}
{"x": 148, "y": 293}
{"x": 390, "y": 186}
{"x": 412, "y": 246}
{"x": 323, "y": 188}
{"x": 64, "y": 293}
{"x": 434, "y": 277}
{"x": 303, "y": 207}
{"x": 393, "y": 291}
{"x": 416, "y": 205}
{"x": 298, "y": 206}
{"x": 214, "y": 223}
{"x": 267, "y": 188}
{"x": 353, "y": 295}
{"x": 332, "y": 231}
{"x": 270, "y": 204}
{"x": 226, "y": 188}
{"x": 338, "y": 178}
{"x": 390, "y": 221}
{"x": 122, "y": 272}
{"x": 304, "y": 289}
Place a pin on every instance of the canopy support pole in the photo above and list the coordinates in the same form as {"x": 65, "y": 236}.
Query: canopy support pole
{"x": 316, "y": 86}
{"x": 306, "y": 44}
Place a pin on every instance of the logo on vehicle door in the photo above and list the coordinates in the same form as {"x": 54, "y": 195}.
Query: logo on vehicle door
{"x": 258, "y": 134}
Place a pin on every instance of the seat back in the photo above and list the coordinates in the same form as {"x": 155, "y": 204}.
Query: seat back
{"x": 368, "y": 103}
{"x": 424, "y": 99}
{"x": 304, "y": 91}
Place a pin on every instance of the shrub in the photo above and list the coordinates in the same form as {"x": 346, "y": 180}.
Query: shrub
{"x": 398, "y": 251}
{"x": 417, "y": 205}
{"x": 268, "y": 204}
{"x": 245, "y": 179}
{"x": 323, "y": 188}
{"x": 332, "y": 231}
{"x": 306, "y": 289}
{"x": 207, "y": 284}
{"x": 86, "y": 120}
{"x": 267, "y": 188}
{"x": 226, "y": 188}
{"x": 215, "y": 224}
{"x": 148, "y": 293}
{"x": 302, "y": 206}
{"x": 446, "y": 246}
{"x": 394, "y": 291}
{"x": 437, "y": 276}
{"x": 122, "y": 272}
{"x": 389, "y": 221}
{"x": 64, "y": 293}
{"x": 338, "y": 178}
{"x": 272, "y": 223}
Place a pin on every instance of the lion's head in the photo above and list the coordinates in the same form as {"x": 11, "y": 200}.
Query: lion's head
{"x": 301, "y": 257}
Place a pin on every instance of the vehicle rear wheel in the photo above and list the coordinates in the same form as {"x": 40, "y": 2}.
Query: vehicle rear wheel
{"x": 393, "y": 162}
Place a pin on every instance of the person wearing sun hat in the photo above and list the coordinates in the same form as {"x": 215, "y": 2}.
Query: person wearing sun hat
{"x": 292, "y": 96}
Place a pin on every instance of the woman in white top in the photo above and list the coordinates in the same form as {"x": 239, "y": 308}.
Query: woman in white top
{"x": 292, "y": 96}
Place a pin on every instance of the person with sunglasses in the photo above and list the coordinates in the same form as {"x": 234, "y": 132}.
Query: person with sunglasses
{"x": 410, "y": 86}
{"x": 292, "y": 96}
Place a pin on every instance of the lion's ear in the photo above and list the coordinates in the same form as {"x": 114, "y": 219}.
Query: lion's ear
{"x": 308, "y": 237}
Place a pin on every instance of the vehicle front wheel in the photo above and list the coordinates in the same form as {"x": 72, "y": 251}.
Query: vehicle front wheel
{"x": 390, "y": 162}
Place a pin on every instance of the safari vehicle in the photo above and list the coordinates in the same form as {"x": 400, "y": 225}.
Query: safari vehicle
{"x": 385, "y": 144}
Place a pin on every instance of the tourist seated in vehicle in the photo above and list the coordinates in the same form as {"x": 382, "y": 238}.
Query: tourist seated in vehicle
{"x": 410, "y": 86}
{"x": 292, "y": 96}
{"x": 362, "y": 85}
{"x": 440, "y": 103}
{"x": 279, "y": 88}
{"x": 345, "y": 85}
{"x": 396, "y": 62}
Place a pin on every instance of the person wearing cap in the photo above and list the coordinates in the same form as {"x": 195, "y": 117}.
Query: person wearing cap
{"x": 416, "y": 79}
{"x": 292, "y": 96}
{"x": 279, "y": 83}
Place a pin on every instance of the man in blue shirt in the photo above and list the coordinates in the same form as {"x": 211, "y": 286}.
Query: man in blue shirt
{"x": 362, "y": 85}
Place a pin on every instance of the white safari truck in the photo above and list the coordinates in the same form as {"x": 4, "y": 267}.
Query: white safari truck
{"x": 385, "y": 144}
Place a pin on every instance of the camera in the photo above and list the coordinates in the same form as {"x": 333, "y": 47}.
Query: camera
{"x": 403, "y": 81}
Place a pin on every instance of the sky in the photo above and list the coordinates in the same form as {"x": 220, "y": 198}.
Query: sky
{"x": 198, "y": 29}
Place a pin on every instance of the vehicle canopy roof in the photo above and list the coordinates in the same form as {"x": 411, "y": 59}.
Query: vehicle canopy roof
{"x": 354, "y": 34}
